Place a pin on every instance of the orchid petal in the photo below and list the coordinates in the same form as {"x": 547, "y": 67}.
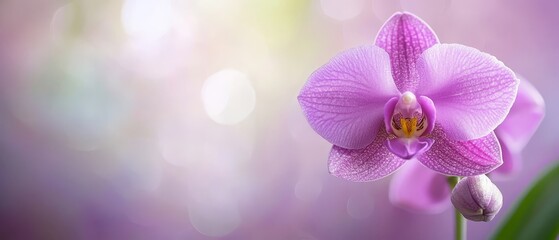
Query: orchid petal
{"x": 524, "y": 118}
{"x": 419, "y": 189}
{"x": 370, "y": 163}
{"x": 407, "y": 148}
{"x": 428, "y": 108}
{"x": 473, "y": 91}
{"x": 511, "y": 163}
{"x": 405, "y": 36}
{"x": 344, "y": 99}
{"x": 388, "y": 111}
{"x": 462, "y": 158}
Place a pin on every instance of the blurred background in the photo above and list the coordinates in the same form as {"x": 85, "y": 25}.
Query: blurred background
{"x": 178, "y": 119}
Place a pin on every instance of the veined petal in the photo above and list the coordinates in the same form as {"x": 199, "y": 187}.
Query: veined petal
{"x": 419, "y": 189}
{"x": 473, "y": 91}
{"x": 344, "y": 99}
{"x": 367, "y": 164}
{"x": 462, "y": 158}
{"x": 524, "y": 118}
{"x": 404, "y": 36}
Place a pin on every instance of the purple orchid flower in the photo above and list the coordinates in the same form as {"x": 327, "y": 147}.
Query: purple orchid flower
{"x": 409, "y": 97}
{"x": 418, "y": 189}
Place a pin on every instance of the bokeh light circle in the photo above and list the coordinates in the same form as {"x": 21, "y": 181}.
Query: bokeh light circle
{"x": 147, "y": 19}
{"x": 228, "y": 97}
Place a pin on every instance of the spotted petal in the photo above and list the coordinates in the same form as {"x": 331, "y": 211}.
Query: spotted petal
{"x": 367, "y": 164}
{"x": 404, "y": 36}
{"x": 462, "y": 158}
{"x": 419, "y": 189}
{"x": 344, "y": 99}
{"x": 473, "y": 91}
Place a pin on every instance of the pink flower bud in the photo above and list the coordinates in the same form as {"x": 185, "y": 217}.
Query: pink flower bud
{"x": 477, "y": 198}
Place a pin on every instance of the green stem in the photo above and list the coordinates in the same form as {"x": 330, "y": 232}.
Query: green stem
{"x": 460, "y": 221}
{"x": 460, "y": 233}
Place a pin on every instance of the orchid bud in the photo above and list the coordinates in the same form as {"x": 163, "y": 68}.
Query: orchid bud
{"x": 477, "y": 198}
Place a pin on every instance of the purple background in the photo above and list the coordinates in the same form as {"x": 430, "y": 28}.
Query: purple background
{"x": 107, "y": 133}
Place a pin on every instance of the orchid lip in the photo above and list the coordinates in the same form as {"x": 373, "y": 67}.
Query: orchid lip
{"x": 409, "y": 123}
{"x": 408, "y": 148}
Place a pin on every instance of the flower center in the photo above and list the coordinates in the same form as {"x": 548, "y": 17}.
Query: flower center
{"x": 408, "y": 120}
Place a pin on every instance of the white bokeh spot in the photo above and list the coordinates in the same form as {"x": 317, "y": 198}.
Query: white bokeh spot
{"x": 147, "y": 19}
{"x": 228, "y": 97}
